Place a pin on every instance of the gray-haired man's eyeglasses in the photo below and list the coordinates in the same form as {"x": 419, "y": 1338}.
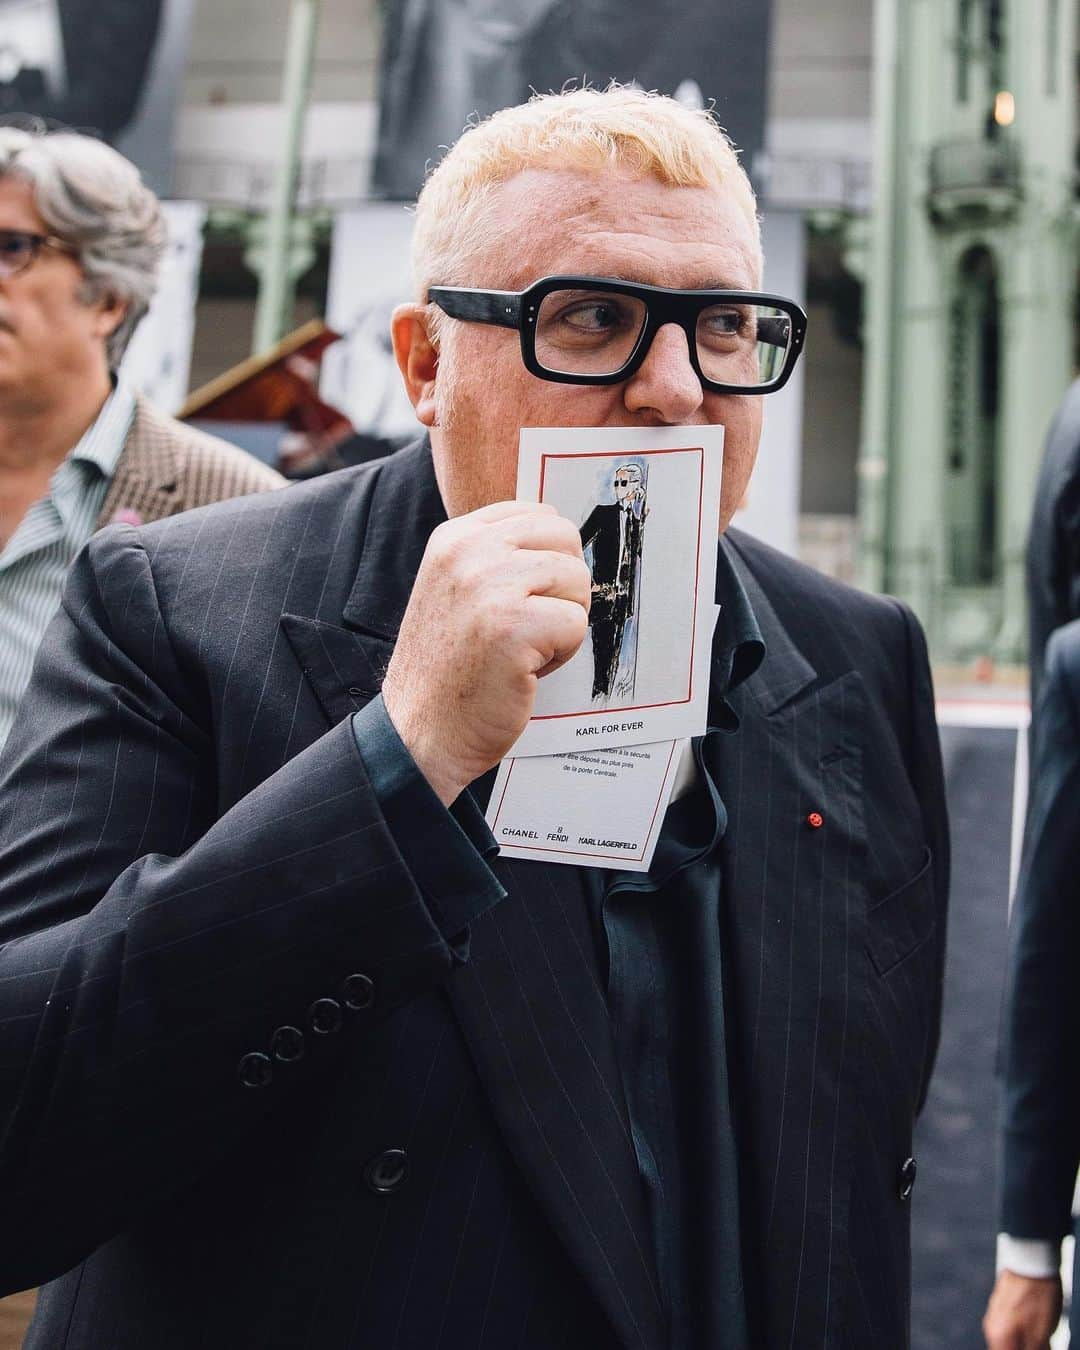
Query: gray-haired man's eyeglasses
{"x": 19, "y": 248}
{"x": 596, "y": 330}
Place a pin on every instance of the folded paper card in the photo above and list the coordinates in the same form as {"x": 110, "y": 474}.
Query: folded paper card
{"x": 647, "y": 503}
{"x": 598, "y": 808}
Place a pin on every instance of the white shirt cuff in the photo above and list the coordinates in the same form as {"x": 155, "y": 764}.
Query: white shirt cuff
{"x": 1032, "y": 1257}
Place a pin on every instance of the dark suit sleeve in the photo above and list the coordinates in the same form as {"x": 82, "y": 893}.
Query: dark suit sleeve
{"x": 1069, "y": 534}
{"x": 149, "y": 943}
{"x": 1042, "y": 1088}
{"x": 591, "y": 528}
{"x": 447, "y": 851}
{"x": 1052, "y": 562}
{"x": 928, "y": 779}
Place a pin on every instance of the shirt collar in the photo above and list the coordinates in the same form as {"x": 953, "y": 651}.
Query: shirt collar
{"x": 103, "y": 440}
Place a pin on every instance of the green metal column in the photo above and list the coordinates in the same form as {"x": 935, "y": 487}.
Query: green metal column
{"x": 277, "y": 280}
{"x": 917, "y": 559}
{"x": 873, "y": 467}
{"x": 948, "y": 460}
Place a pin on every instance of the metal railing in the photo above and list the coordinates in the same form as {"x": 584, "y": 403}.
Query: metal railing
{"x": 972, "y": 169}
{"x": 247, "y": 184}
{"x": 811, "y": 182}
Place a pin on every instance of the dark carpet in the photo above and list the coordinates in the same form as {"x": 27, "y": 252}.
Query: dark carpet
{"x": 953, "y": 1217}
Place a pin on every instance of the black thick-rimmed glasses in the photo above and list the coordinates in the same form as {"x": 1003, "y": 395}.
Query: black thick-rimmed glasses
{"x": 19, "y": 248}
{"x": 595, "y": 330}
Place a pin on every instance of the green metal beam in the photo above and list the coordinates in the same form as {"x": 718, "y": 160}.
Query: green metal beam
{"x": 879, "y": 385}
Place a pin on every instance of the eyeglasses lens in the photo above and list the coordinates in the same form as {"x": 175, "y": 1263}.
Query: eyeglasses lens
{"x": 742, "y": 344}
{"x": 17, "y": 248}
{"x": 580, "y": 332}
{"x": 587, "y": 332}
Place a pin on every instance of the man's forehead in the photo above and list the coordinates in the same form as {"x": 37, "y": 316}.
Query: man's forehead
{"x": 608, "y": 222}
{"x": 17, "y": 204}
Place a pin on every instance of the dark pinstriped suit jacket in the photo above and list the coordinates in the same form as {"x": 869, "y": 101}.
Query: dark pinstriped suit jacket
{"x": 1041, "y": 1099}
{"x": 1053, "y": 543}
{"x": 191, "y": 855}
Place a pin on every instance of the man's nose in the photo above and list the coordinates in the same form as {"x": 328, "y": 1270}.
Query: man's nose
{"x": 666, "y": 383}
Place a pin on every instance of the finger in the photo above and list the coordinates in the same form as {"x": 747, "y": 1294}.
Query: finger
{"x": 496, "y": 511}
{"x": 555, "y": 629}
{"x": 554, "y": 574}
{"x": 552, "y": 532}
{"x": 999, "y": 1325}
{"x": 999, "y": 1338}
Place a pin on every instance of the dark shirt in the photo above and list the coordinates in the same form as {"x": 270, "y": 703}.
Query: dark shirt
{"x": 661, "y": 935}
{"x": 659, "y": 940}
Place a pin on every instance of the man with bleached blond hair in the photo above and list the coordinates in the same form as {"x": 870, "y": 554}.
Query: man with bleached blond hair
{"x": 281, "y": 1030}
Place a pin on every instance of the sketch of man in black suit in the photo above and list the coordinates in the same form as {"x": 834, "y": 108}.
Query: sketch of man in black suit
{"x": 615, "y": 533}
{"x": 80, "y": 62}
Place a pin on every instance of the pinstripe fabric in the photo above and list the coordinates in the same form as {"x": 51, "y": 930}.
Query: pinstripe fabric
{"x": 1041, "y": 1100}
{"x": 37, "y": 556}
{"x": 838, "y": 944}
{"x": 190, "y": 855}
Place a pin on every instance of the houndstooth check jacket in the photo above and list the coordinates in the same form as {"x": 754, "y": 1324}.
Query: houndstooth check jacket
{"x": 166, "y": 467}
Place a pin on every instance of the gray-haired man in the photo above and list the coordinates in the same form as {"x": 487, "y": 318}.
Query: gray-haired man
{"x": 81, "y": 239}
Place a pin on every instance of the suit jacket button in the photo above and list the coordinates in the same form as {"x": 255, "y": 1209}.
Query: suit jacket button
{"x": 358, "y": 993}
{"x": 907, "y": 1178}
{"x": 287, "y": 1044}
{"x": 324, "y": 1016}
{"x": 255, "y": 1070}
{"x": 385, "y": 1173}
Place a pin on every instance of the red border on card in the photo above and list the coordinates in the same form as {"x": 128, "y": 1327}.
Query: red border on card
{"x": 570, "y": 852}
{"x": 633, "y": 454}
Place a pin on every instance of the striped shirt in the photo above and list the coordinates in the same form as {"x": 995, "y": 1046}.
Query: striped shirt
{"x": 35, "y": 561}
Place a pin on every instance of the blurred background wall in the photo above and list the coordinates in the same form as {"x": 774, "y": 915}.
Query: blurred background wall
{"x": 916, "y": 167}
{"x": 813, "y": 171}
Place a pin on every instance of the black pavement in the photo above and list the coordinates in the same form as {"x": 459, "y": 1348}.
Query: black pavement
{"x": 954, "y": 1202}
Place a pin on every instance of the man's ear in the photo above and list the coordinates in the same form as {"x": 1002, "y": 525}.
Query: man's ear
{"x": 109, "y": 313}
{"x": 417, "y": 358}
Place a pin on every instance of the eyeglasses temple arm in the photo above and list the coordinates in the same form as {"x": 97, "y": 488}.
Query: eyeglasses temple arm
{"x": 498, "y": 307}
{"x": 776, "y": 331}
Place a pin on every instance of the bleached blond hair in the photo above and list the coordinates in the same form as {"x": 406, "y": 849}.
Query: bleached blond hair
{"x": 619, "y": 127}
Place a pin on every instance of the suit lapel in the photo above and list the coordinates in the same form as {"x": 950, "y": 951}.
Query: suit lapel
{"x": 345, "y": 664}
{"x": 795, "y": 904}
{"x": 528, "y": 1001}
{"x": 147, "y": 475}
